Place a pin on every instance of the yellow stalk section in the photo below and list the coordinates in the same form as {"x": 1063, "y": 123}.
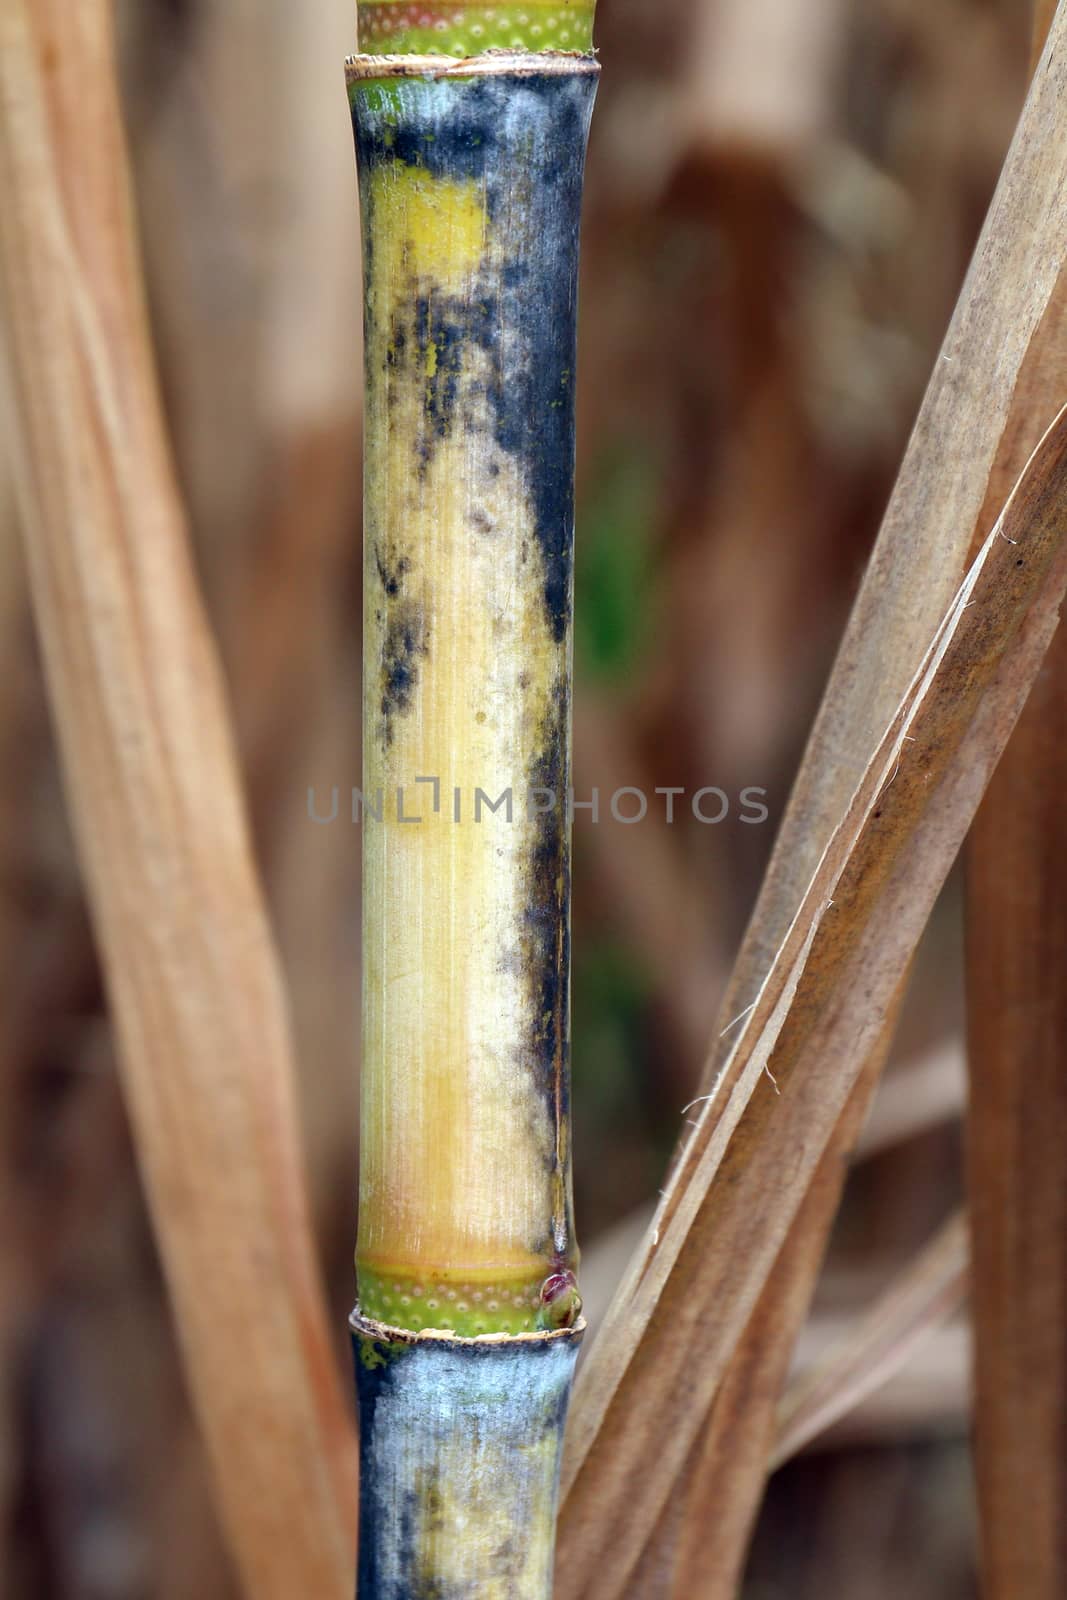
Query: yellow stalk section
{"x": 465, "y": 1209}
{"x": 458, "y": 1148}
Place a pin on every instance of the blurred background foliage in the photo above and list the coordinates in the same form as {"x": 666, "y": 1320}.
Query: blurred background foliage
{"x": 782, "y": 199}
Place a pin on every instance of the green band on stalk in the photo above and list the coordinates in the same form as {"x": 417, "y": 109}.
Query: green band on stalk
{"x": 452, "y": 28}
{"x": 469, "y": 1307}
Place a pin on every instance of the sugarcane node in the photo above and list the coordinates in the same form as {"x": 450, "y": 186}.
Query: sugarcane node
{"x": 490, "y": 64}
{"x": 369, "y": 1333}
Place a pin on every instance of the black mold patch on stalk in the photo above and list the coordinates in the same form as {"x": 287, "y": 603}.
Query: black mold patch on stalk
{"x": 391, "y": 572}
{"x": 523, "y": 141}
{"x": 546, "y": 922}
{"x": 439, "y": 336}
{"x": 427, "y": 338}
{"x": 406, "y": 644}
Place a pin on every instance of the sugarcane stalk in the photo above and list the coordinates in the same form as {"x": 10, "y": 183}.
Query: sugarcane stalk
{"x": 468, "y": 1318}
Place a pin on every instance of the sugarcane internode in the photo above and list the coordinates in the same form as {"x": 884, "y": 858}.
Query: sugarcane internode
{"x": 468, "y": 1321}
{"x": 471, "y": 193}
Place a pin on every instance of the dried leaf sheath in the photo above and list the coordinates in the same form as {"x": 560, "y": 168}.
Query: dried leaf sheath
{"x": 470, "y": 182}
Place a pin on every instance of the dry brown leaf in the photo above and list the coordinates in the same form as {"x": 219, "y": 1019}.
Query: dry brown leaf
{"x": 923, "y": 546}
{"x": 1017, "y": 1006}
{"x": 822, "y": 1009}
{"x": 698, "y": 1556}
{"x": 999, "y": 329}
{"x": 1017, "y": 1018}
{"x": 921, "y": 1297}
{"x": 737, "y": 1439}
{"x": 193, "y": 978}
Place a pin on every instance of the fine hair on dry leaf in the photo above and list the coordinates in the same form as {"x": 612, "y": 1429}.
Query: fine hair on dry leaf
{"x": 747, "y": 1166}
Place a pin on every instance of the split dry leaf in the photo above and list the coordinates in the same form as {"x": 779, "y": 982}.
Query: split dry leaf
{"x": 927, "y": 1399}
{"x": 815, "y": 1020}
{"x": 922, "y": 549}
{"x": 155, "y": 797}
{"x": 999, "y": 328}
{"x": 735, "y": 1444}
{"x": 918, "y": 1300}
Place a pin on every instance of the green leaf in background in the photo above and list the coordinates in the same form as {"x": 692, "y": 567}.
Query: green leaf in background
{"x": 614, "y": 568}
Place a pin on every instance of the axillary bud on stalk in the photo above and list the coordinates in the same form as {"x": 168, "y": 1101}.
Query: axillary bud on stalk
{"x": 470, "y": 134}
